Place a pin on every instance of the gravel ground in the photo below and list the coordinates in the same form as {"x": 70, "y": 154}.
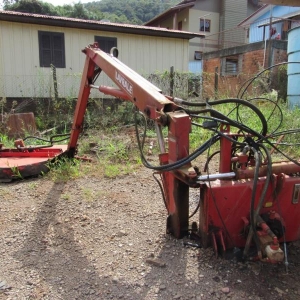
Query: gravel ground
{"x": 94, "y": 238}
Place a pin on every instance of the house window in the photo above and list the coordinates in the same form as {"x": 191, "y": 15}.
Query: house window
{"x": 230, "y": 65}
{"x": 106, "y": 43}
{"x": 198, "y": 55}
{"x": 52, "y": 49}
{"x": 204, "y": 25}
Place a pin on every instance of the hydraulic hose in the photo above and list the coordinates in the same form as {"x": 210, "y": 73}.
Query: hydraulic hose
{"x": 226, "y": 101}
{"x": 254, "y": 213}
{"x": 252, "y": 230}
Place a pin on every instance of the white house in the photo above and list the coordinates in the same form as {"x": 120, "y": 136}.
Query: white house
{"x": 31, "y": 44}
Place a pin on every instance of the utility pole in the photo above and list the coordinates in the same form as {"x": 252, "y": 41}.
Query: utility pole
{"x": 270, "y": 35}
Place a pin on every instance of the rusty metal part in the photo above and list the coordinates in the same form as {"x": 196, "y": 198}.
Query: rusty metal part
{"x": 277, "y": 168}
{"x": 19, "y": 124}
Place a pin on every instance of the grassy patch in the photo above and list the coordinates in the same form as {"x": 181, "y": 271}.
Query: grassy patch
{"x": 64, "y": 169}
{"x": 87, "y": 194}
{"x": 66, "y": 196}
{"x": 280, "y": 121}
{"x": 115, "y": 152}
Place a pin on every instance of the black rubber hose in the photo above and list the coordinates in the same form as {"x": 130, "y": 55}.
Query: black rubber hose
{"x": 252, "y": 232}
{"x": 178, "y": 164}
{"x": 226, "y": 101}
{"x": 242, "y": 92}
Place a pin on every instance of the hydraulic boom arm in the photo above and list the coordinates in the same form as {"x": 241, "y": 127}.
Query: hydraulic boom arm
{"x": 154, "y": 105}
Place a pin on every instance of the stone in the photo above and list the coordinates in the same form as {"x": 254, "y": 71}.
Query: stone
{"x": 156, "y": 262}
{"x": 225, "y": 290}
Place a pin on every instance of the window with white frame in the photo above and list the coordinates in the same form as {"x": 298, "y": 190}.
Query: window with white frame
{"x": 204, "y": 25}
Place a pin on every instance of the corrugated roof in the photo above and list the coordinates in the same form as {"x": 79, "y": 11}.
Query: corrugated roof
{"x": 13, "y": 16}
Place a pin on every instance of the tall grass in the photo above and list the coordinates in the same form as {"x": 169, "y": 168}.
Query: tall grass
{"x": 279, "y": 118}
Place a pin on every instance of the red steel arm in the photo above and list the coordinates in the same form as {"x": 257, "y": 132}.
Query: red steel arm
{"x": 83, "y": 96}
{"x": 133, "y": 87}
{"x": 149, "y": 100}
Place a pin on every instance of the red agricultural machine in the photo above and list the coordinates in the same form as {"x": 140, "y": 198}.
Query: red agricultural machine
{"x": 249, "y": 201}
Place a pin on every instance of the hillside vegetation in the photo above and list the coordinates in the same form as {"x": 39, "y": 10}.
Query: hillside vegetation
{"x": 118, "y": 11}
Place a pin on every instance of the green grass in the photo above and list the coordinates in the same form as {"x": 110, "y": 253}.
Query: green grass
{"x": 64, "y": 169}
{"x": 276, "y": 125}
{"x": 66, "y": 196}
{"x": 33, "y": 185}
{"x": 115, "y": 151}
{"x": 87, "y": 194}
{"x": 16, "y": 173}
{"x": 6, "y": 141}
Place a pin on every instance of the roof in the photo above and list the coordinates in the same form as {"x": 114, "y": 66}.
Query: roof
{"x": 263, "y": 10}
{"x": 13, "y": 16}
{"x": 171, "y": 11}
{"x": 282, "y": 2}
{"x": 258, "y": 13}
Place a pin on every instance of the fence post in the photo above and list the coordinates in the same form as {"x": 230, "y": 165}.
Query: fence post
{"x": 172, "y": 81}
{"x": 54, "y": 82}
{"x": 216, "y": 81}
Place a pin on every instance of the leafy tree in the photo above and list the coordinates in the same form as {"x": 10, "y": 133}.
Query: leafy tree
{"x": 7, "y": 3}
{"x": 31, "y": 6}
{"x": 133, "y": 11}
{"x": 118, "y": 11}
{"x": 79, "y": 12}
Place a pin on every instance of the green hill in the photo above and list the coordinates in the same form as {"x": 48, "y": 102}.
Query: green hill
{"x": 117, "y": 11}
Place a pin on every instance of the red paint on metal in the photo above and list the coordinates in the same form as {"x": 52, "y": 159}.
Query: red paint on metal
{"x": 142, "y": 93}
{"x": 277, "y": 168}
{"x": 178, "y": 191}
{"x": 114, "y": 92}
{"x": 34, "y": 153}
{"x": 226, "y": 204}
{"x": 83, "y": 96}
{"x": 27, "y": 163}
{"x": 149, "y": 100}
{"x": 225, "y": 151}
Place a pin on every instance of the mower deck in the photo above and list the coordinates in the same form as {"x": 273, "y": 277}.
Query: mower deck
{"x": 16, "y": 163}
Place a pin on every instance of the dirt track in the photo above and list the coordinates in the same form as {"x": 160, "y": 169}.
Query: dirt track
{"x": 95, "y": 238}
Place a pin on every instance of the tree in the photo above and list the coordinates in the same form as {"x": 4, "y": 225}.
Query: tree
{"x": 79, "y": 11}
{"x": 119, "y": 11}
{"x": 31, "y": 6}
{"x": 7, "y": 3}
